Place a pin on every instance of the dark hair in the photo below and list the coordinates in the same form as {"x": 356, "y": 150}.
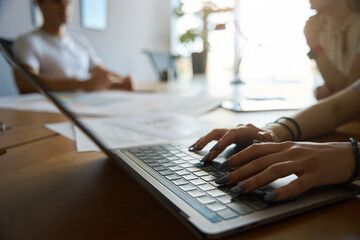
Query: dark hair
{"x": 354, "y": 5}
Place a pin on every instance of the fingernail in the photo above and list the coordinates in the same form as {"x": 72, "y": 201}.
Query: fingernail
{"x": 271, "y": 196}
{"x": 206, "y": 158}
{"x": 225, "y": 164}
{"x": 223, "y": 180}
{"x": 214, "y": 147}
{"x": 256, "y": 141}
{"x": 239, "y": 188}
{"x": 194, "y": 148}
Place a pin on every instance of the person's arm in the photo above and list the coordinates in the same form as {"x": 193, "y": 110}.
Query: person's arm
{"x": 334, "y": 79}
{"x": 97, "y": 82}
{"x": 321, "y": 118}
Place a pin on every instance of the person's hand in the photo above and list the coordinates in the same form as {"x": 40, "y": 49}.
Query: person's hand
{"x": 322, "y": 92}
{"x": 122, "y": 83}
{"x": 315, "y": 164}
{"x": 242, "y": 135}
{"x": 100, "y": 80}
{"x": 313, "y": 27}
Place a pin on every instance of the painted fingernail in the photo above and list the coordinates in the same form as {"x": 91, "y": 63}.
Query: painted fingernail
{"x": 223, "y": 180}
{"x": 271, "y": 196}
{"x": 194, "y": 148}
{"x": 206, "y": 158}
{"x": 225, "y": 164}
{"x": 214, "y": 147}
{"x": 239, "y": 188}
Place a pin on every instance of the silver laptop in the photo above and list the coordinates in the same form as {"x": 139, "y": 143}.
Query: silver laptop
{"x": 187, "y": 187}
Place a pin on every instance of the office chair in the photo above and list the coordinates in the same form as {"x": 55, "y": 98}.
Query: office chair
{"x": 7, "y": 42}
{"x": 162, "y": 61}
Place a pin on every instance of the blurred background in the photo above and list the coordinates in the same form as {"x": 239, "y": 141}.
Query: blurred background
{"x": 257, "y": 41}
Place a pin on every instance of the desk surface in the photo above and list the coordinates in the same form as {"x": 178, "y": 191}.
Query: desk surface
{"x": 49, "y": 191}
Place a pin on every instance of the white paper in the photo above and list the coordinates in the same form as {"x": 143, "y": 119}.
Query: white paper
{"x": 114, "y": 103}
{"x": 64, "y": 128}
{"x": 111, "y": 136}
{"x": 169, "y": 126}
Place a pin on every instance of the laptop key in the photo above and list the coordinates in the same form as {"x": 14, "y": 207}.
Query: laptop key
{"x": 255, "y": 203}
{"x": 216, "y": 193}
{"x": 196, "y": 193}
{"x": 227, "y": 214}
{"x": 190, "y": 177}
{"x": 206, "y": 187}
{"x": 198, "y": 181}
{"x": 240, "y": 208}
{"x": 180, "y": 182}
{"x": 225, "y": 199}
{"x": 166, "y": 172}
{"x": 173, "y": 177}
{"x": 175, "y": 168}
{"x": 216, "y": 206}
{"x": 160, "y": 168}
{"x": 206, "y": 199}
{"x": 209, "y": 178}
{"x": 201, "y": 173}
{"x": 182, "y": 172}
{"x": 187, "y": 187}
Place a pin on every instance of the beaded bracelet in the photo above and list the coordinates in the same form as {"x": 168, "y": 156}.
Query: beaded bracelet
{"x": 357, "y": 161}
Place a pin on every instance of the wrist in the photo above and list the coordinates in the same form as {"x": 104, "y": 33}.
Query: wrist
{"x": 315, "y": 51}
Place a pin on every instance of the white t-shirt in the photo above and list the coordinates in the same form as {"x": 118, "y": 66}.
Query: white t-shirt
{"x": 65, "y": 57}
{"x": 332, "y": 41}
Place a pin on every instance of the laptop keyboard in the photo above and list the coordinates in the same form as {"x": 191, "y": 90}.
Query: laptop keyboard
{"x": 183, "y": 173}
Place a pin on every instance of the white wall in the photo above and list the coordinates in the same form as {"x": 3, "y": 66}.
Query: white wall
{"x": 132, "y": 26}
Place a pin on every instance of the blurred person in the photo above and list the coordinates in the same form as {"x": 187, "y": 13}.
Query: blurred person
{"x": 64, "y": 61}
{"x": 333, "y": 35}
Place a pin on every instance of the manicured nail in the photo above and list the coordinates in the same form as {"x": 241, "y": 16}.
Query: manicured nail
{"x": 271, "y": 196}
{"x": 223, "y": 180}
{"x": 194, "y": 148}
{"x": 225, "y": 164}
{"x": 239, "y": 188}
{"x": 206, "y": 158}
{"x": 214, "y": 147}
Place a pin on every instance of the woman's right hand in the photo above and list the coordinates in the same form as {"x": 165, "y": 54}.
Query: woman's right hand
{"x": 242, "y": 135}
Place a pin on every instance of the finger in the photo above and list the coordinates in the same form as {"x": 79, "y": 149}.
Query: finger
{"x": 294, "y": 188}
{"x": 265, "y": 177}
{"x": 257, "y": 166}
{"x": 264, "y": 137}
{"x": 257, "y": 150}
{"x": 215, "y": 134}
{"x": 243, "y": 134}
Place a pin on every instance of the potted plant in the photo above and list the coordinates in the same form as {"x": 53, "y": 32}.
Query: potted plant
{"x": 199, "y": 59}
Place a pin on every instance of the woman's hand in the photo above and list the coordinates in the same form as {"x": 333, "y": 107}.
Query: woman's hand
{"x": 242, "y": 135}
{"x": 315, "y": 164}
{"x": 312, "y": 29}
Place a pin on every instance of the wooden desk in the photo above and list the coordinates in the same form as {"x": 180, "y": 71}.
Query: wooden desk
{"x": 49, "y": 191}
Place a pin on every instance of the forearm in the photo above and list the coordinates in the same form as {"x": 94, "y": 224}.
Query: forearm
{"x": 58, "y": 84}
{"x": 333, "y": 78}
{"x": 321, "y": 118}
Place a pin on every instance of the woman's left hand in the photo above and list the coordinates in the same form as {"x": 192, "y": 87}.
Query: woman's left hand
{"x": 315, "y": 164}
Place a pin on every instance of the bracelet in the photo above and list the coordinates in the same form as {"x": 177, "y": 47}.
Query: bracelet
{"x": 296, "y": 126}
{"x": 355, "y": 147}
{"x": 288, "y": 128}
